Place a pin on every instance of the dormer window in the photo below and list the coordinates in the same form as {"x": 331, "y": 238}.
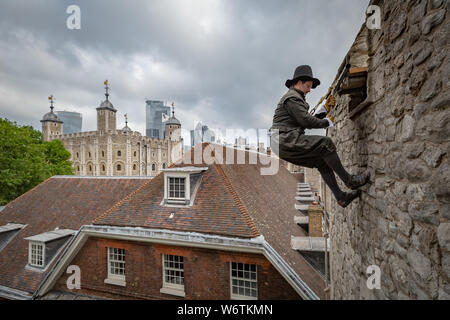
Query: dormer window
{"x": 181, "y": 184}
{"x": 8, "y": 232}
{"x": 42, "y": 248}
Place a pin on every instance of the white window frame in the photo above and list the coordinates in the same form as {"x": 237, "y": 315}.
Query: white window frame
{"x": 175, "y": 191}
{"x": 187, "y": 188}
{"x": 169, "y": 287}
{"x": 115, "y": 279}
{"x": 235, "y": 296}
{"x": 31, "y": 261}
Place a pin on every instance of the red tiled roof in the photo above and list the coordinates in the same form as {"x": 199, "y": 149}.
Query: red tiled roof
{"x": 216, "y": 209}
{"x": 67, "y": 203}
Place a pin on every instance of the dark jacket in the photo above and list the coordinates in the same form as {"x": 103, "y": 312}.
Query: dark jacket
{"x": 288, "y": 139}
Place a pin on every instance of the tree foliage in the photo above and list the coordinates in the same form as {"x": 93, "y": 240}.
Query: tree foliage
{"x": 26, "y": 161}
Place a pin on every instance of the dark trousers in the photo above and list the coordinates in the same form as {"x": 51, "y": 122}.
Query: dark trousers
{"x": 327, "y": 166}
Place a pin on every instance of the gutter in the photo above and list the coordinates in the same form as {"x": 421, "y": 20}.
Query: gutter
{"x": 256, "y": 245}
{"x": 14, "y": 294}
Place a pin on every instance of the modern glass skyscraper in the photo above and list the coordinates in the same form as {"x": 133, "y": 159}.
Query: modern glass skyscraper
{"x": 154, "y": 127}
{"x": 72, "y": 121}
{"x": 202, "y": 134}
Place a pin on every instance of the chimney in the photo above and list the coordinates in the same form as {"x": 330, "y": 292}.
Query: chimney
{"x": 315, "y": 221}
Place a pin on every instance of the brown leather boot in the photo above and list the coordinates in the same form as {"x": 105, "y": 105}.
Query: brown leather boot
{"x": 358, "y": 180}
{"x": 348, "y": 198}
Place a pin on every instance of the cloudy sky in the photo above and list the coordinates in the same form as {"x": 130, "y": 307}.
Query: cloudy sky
{"x": 223, "y": 62}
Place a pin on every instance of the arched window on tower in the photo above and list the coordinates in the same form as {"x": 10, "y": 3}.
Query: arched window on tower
{"x": 103, "y": 167}
{"x": 119, "y": 167}
{"x": 119, "y": 153}
{"x": 153, "y": 167}
{"x": 164, "y": 165}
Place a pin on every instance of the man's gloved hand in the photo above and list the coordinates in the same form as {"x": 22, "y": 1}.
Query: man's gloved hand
{"x": 330, "y": 123}
{"x": 320, "y": 113}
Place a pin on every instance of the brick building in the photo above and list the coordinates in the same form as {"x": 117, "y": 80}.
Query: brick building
{"x": 109, "y": 151}
{"x": 195, "y": 231}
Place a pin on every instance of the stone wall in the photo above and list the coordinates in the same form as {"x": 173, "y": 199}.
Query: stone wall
{"x": 402, "y": 135}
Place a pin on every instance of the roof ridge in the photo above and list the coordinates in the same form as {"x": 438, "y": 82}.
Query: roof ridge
{"x": 127, "y": 197}
{"x": 29, "y": 191}
{"x": 247, "y": 218}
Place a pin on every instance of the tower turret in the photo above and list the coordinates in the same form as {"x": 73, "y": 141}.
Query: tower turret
{"x": 106, "y": 114}
{"x": 173, "y": 127}
{"x": 51, "y": 124}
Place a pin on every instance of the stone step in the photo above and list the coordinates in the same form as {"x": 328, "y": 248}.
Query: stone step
{"x": 305, "y": 200}
{"x": 309, "y": 244}
{"x": 303, "y": 220}
{"x": 303, "y": 208}
{"x": 303, "y": 185}
{"x": 304, "y": 193}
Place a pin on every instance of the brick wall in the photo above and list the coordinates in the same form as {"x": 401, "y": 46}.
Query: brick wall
{"x": 206, "y": 272}
{"x": 401, "y": 223}
{"x": 315, "y": 221}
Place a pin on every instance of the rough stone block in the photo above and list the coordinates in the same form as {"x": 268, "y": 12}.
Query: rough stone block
{"x": 421, "y": 53}
{"x": 399, "y": 61}
{"x": 399, "y": 250}
{"x": 416, "y": 170}
{"x": 431, "y": 88}
{"x": 432, "y": 20}
{"x": 399, "y": 273}
{"x": 398, "y": 26}
{"x": 414, "y": 35}
{"x": 416, "y": 81}
{"x": 413, "y": 151}
{"x": 434, "y": 127}
{"x": 440, "y": 183}
{"x": 424, "y": 212}
{"x": 418, "y": 12}
{"x": 405, "y": 223}
{"x": 415, "y": 193}
{"x": 445, "y": 211}
{"x": 433, "y": 156}
{"x": 420, "y": 263}
{"x": 408, "y": 128}
{"x": 435, "y": 4}
{"x": 443, "y": 234}
{"x": 419, "y": 109}
{"x": 436, "y": 61}
{"x": 442, "y": 102}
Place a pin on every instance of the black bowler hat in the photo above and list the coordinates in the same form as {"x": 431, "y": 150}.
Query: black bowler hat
{"x": 304, "y": 71}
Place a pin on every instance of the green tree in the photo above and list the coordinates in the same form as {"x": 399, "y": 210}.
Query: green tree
{"x": 26, "y": 161}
